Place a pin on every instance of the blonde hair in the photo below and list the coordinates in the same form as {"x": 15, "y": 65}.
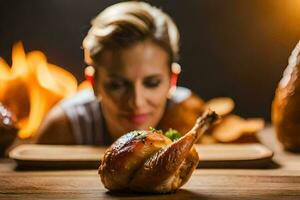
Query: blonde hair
{"x": 122, "y": 25}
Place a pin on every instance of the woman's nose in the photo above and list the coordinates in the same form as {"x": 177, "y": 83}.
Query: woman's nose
{"x": 136, "y": 97}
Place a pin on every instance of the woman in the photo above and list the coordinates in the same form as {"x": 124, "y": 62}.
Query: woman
{"x": 133, "y": 48}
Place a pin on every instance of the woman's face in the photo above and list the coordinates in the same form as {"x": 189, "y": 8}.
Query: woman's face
{"x": 133, "y": 85}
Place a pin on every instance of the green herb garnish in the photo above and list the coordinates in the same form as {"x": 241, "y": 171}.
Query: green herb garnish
{"x": 154, "y": 130}
{"x": 173, "y": 134}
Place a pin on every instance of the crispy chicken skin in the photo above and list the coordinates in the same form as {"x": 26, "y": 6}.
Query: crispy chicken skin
{"x": 148, "y": 161}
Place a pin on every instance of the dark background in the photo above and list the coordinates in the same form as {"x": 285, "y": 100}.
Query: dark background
{"x": 236, "y": 48}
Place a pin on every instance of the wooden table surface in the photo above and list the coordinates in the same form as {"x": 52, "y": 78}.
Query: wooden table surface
{"x": 280, "y": 182}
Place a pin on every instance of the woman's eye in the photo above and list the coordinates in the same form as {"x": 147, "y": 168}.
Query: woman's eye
{"x": 152, "y": 83}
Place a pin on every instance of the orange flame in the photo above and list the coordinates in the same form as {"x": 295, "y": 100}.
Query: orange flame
{"x": 32, "y": 86}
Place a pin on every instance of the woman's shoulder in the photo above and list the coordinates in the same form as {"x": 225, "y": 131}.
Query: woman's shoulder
{"x": 183, "y": 109}
{"x": 55, "y": 128}
{"x": 180, "y": 94}
{"x": 184, "y": 97}
{"x": 80, "y": 98}
{"x": 62, "y": 125}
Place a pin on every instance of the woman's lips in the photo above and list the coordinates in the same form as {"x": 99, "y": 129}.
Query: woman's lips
{"x": 138, "y": 119}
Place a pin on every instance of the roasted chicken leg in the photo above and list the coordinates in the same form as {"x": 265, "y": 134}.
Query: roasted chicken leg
{"x": 148, "y": 161}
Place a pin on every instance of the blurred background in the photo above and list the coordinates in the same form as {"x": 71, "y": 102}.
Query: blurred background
{"x": 228, "y": 48}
